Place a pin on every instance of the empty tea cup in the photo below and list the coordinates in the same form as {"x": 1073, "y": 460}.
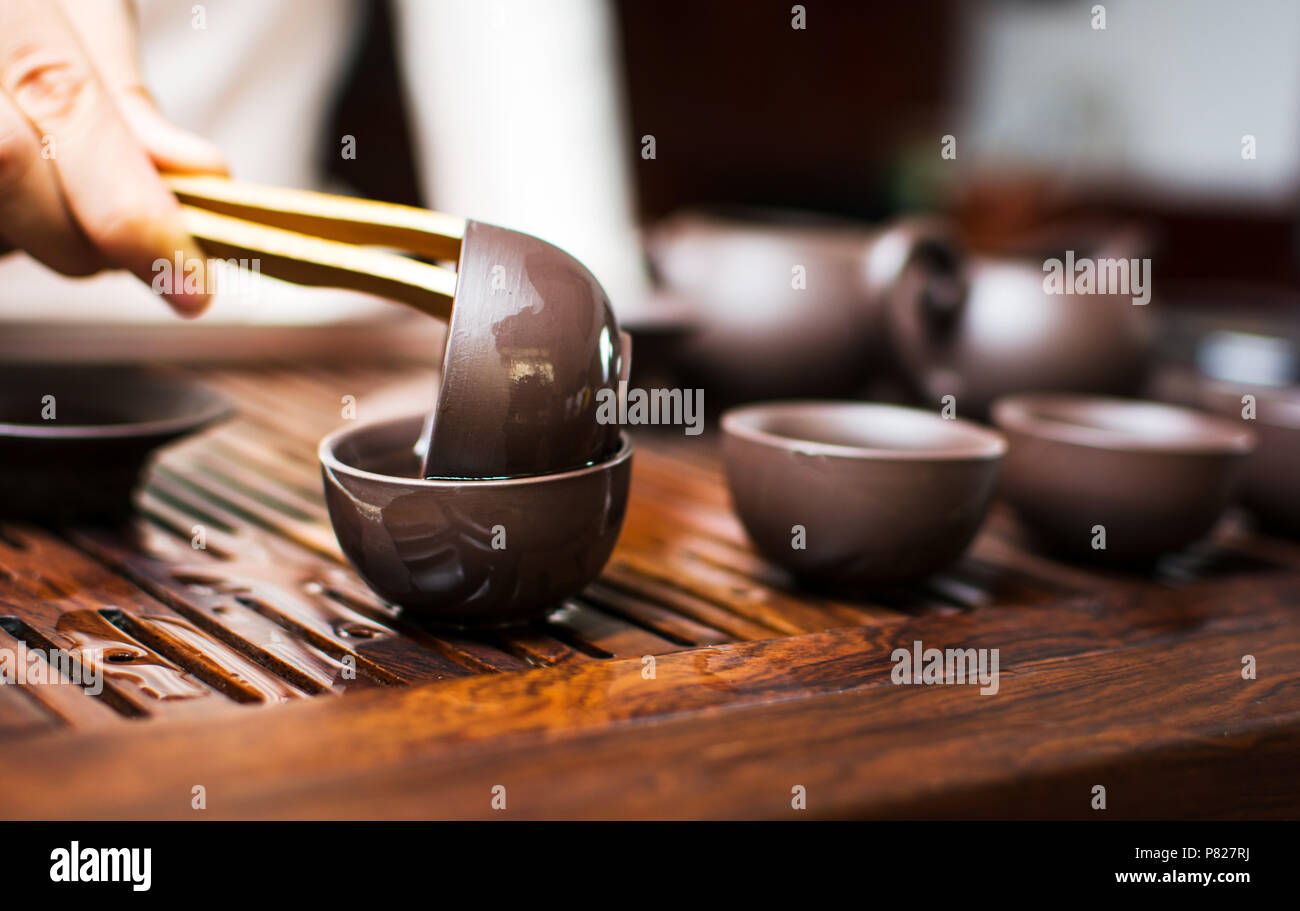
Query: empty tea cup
{"x": 1117, "y": 478}
{"x": 468, "y": 552}
{"x": 1270, "y": 484}
{"x": 858, "y": 494}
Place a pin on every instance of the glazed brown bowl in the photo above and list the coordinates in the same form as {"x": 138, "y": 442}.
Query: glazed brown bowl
{"x": 1155, "y": 476}
{"x": 1270, "y": 484}
{"x": 74, "y": 440}
{"x": 531, "y": 343}
{"x": 468, "y": 552}
{"x": 883, "y": 494}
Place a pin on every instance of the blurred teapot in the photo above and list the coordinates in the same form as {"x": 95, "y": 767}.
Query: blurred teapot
{"x": 977, "y": 327}
{"x": 784, "y": 303}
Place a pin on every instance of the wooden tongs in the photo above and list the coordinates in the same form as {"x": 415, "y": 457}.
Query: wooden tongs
{"x": 531, "y": 343}
{"x": 324, "y": 240}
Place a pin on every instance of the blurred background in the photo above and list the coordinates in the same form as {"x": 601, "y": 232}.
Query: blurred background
{"x": 1173, "y": 132}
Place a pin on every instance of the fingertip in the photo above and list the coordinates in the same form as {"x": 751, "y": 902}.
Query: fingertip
{"x": 189, "y": 306}
{"x": 186, "y": 153}
{"x": 181, "y": 274}
{"x": 170, "y": 147}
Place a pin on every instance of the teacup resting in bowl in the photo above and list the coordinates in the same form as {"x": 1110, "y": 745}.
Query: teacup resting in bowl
{"x": 468, "y": 552}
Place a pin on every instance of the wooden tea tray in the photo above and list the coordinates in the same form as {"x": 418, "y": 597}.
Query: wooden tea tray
{"x": 229, "y": 667}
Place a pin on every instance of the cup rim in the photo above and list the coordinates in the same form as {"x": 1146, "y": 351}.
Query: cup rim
{"x": 328, "y": 444}
{"x": 1276, "y": 406}
{"x": 1200, "y": 433}
{"x": 982, "y": 442}
{"x": 210, "y": 406}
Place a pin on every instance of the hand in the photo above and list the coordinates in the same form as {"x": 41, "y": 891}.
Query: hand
{"x": 81, "y": 144}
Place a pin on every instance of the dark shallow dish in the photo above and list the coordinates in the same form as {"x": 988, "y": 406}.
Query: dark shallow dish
{"x": 85, "y": 462}
{"x": 1270, "y": 484}
{"x": 430, "y": 546}
{"x": 1155, "y": 476}
{"x": 884, "y": 494}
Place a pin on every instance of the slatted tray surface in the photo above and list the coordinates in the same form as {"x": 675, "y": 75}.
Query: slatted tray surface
{"x": 758, "y": 685}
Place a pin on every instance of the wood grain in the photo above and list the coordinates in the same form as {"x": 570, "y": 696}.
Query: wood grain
{"x": 305, "y": 696}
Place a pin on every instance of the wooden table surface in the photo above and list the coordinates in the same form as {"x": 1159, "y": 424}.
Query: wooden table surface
{"x": 261, "y": 670}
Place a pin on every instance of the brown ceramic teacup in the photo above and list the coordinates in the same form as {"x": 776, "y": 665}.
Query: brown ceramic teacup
{"x": 858, "y": 494}
{"x": 1142, "y": 478}
{"x": 531, "y": 344}
{"x": 1270, "y": 484}
{"x": 468, "y": 552}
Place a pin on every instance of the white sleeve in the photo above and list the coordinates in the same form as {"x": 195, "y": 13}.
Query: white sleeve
{"x": 518, "y": 119}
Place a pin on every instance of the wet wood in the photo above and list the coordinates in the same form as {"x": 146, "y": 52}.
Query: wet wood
{"x": 63, "y": 701}
{"x": 692, "y": 680}
{"x": 738, "y": 726}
